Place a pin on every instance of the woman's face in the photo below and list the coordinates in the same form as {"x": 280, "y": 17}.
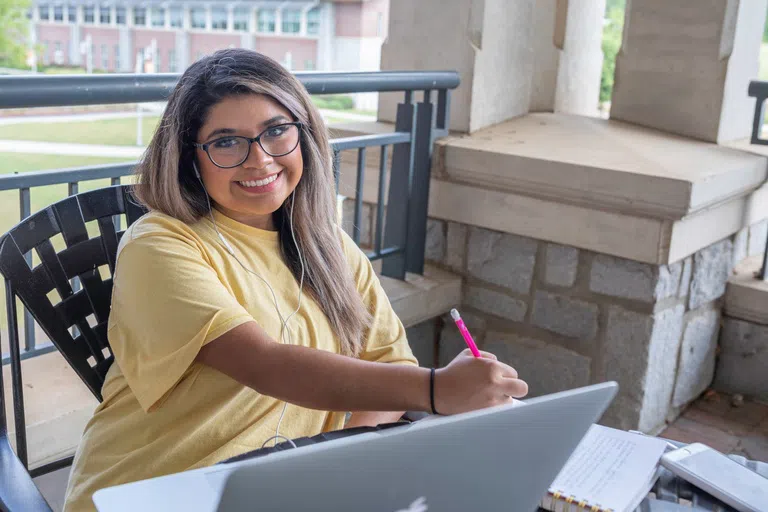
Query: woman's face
{"x": 253, "y": 190}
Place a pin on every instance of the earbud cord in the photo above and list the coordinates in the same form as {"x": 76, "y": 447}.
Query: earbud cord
{"x": 284, "y": 322}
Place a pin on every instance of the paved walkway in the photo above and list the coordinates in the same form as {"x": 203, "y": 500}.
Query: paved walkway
{"x": 149, "y": 110}
{"x": 64, "y": 148}
{"x": 128, "y": 152}
{"x": 715, "y": 421}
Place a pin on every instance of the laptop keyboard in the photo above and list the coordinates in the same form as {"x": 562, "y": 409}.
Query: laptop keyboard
{"x": 305, "y": 441}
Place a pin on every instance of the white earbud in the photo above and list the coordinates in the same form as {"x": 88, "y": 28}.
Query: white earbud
{"x": 226, "y": 244}
{"x": 284, "y": 321}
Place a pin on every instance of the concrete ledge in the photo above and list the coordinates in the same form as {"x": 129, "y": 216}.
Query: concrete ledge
{"x": 420, "y": 298}
{"x": 746, "y": 297}
{"x": 599, "y": 185}
{"x": 603, "y": 164}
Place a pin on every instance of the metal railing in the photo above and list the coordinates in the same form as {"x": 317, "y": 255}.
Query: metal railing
{"x": 759, "y": 91}
{"x": 400, "y": 228}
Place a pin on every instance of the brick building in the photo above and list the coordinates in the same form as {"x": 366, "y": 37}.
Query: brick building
{"x": 302, "y": 34}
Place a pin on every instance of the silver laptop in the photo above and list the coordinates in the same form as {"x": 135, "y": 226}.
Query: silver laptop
{"x": 503, "y": 458}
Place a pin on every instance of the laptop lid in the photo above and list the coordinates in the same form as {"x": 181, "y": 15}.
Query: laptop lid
{"x": 502, "y": 458}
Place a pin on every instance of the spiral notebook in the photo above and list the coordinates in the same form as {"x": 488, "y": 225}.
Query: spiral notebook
{"x": 609, "y": 471}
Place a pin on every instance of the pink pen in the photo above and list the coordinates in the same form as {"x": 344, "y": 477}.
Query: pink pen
{"x": 465, "y": 333}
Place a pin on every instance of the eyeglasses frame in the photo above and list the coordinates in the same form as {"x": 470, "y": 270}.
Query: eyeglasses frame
{"x": 251, "y": 140}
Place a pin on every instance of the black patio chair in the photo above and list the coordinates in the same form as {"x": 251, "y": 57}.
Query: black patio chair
{"x": 76, "y": 325}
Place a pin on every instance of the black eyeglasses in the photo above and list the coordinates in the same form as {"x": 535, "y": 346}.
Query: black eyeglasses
{"x": 232, "y": 150}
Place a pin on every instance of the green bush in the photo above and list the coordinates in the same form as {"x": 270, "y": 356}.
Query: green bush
{"x": 614, "y": 25}
{"x": 334, "y": 102}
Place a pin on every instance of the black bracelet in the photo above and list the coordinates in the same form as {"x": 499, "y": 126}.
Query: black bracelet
{"x": 432, "y": 390}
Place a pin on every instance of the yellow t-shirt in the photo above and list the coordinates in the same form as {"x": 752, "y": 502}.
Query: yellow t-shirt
{"x": 177, "y": 288}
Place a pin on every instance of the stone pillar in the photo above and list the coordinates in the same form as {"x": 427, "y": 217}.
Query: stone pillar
{"x": 684, "y": 66}
{"x": 230, "y": 18}
{"x": 486, "y": 41}
{"x": 567, "y": 44}
{"x": 326, "y": 37}
{"x": 182, "y": 50}
{"x": 76, "y": 58}
{"x": 566, "y": 317}
{"x": 127, "y": 57}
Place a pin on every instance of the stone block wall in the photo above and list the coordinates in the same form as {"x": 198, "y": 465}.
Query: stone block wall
{"x": 743, "y": 355}
{"x": 743, "y": 360}
{"x": 567, "y": 317}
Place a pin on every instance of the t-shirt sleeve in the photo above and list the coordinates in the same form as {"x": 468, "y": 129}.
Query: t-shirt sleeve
{"x": 386, "y": 340}
{"x": 167, "y": 302}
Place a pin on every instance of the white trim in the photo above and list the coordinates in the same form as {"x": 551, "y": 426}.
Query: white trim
{"x": 230, "y": 18}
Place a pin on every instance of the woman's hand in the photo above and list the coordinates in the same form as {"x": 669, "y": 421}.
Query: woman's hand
{"x": 470, "y": 383}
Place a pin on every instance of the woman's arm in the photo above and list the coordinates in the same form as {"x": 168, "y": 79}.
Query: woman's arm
{"x": 321, "y": 380}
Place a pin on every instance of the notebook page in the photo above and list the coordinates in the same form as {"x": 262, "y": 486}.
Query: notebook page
{"x": 610, "y": 468}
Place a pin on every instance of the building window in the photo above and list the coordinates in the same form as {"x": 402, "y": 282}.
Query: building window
{"x": 71, "y": 13}
{"x": 313, "y": 21}
{"x": 199, "y": 55}
{"x": 291, "y": 21}
{"x": 266, "y": 20}
{"x": 158, "y": 61}
{"x": 380, "y": 24}
{"x": 158, "y": 17}
{"x": 309, "y": 65}
{"x": 172, "y": 64}
{"x": 197, "y": 17}
{"x": 105, "y": 15}
{"x": 241, "y": 16}
{"x": 120, "y": 15}
{"x": 88, "y": 14}
{"x": 219, "y": 18}
{"x": 140, "y": 16}
{"x": 58, "y": 13}
{"x": 117, "y": 57}
{"x": 45, "y": 14}
{"x": 177, "y": 17}
{"x": 104, "y": 56}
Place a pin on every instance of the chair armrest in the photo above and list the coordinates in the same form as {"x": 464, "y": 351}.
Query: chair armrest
{"x": 17, "y": 490}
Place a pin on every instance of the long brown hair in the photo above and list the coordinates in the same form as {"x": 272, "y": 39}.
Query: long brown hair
{"x": 166, "y": 180}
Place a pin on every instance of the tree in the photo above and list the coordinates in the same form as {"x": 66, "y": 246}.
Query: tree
{"x": 612, "y": 33}
{"x": 13, "y": 32}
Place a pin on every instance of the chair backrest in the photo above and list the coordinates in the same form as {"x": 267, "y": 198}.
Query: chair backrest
{"x": 85, "y": 311}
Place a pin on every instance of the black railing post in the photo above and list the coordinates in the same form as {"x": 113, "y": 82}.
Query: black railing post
{"x": 400, "y": 183}
{"x": 17, "y": 388}
{"x": 759, "y": 91}
{"x": 419, "y": 197}
{"x": 764, "y": 270}
{"x": 25, "y": 204}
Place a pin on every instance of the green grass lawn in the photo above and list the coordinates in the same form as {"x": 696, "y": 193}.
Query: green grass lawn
{"x": 40, "y": 196}
{"x": 111, "y": 132}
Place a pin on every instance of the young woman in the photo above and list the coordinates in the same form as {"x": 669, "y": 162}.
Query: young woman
{"x": 240, "y": 310}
